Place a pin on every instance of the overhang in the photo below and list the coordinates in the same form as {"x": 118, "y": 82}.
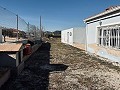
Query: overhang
{"x": 107, "y": 12}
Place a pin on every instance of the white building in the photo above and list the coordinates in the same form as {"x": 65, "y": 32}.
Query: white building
{"x": 103, "y": 34}
{"x": 0, "y": 35}
{"x": 74, "y": 36}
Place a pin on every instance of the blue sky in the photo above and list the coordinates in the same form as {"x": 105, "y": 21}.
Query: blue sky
{"x": 57, "y": 14}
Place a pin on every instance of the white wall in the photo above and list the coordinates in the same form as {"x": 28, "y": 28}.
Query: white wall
{"x": 79, "y": 35}
{"x": 70, "y": 35}
{"x": 63, "y": 36}
{"x": 91, "y": 31}
{"x": 0, "y": 35}
{"x": 66, "y": 37}
{"x": 92, "y": 28}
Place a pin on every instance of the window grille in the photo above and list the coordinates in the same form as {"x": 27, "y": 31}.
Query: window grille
{"x": 109, "y": 36}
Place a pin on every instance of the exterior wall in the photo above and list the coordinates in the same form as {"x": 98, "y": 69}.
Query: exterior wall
{"x": 63, "y": 36}
{"x": 8, "y": 60}
{"x": 19, "y": 57}
{"x": 79, "y": 35}
{"x": 79, "y": 45}
{"x": 66, "y": 37}
{"x": 75, "y": 37}
{"x": 111, "y": 54}
{"x": 92, "y": 46}
{"x": 0, "y": 35}
{"x": 79, "y": 38}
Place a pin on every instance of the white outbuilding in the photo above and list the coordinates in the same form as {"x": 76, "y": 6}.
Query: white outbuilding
{"x": 103, "y": 34}
{"x": 74, "y": 36}
{"x": 0, "y": 35}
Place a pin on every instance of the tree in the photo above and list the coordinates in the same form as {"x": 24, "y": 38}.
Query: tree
{"x": 4, "y": 33}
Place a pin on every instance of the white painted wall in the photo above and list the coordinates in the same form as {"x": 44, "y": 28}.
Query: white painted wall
{"x": 63, "y": 36}
{"x": 70, "y": 35}
{"x": 91, "y": 32}
{"x": 0, "y": 35}
{"x": 92, "y": 28}
{"x": 66, "y": 37}
{"x": 78, "y": 35}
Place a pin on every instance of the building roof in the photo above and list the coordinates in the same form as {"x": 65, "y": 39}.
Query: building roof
{"x": 107, "y": 11}
{"x": 10, "y": 47}
{"x": 75, "y": 28}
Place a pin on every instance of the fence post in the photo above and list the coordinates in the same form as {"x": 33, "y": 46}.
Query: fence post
{"x": 17, "y": 29}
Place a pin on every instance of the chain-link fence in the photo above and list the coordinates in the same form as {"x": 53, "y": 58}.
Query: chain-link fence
{"x": 33, "y": 32}
{"x": 14, "y": 28}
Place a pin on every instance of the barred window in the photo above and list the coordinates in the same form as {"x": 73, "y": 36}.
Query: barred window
{"x": 109, "y": 36}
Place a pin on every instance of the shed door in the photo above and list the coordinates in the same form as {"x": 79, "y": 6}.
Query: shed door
{"x": 67, "y": 37}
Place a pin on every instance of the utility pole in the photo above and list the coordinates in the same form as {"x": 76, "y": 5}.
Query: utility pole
{"x": 35, "y": 32}
{"x": 28, "y": 26}
{"x": 40, "y": 28}
{"x": 17, "y": 28}
{"x": 28, "y": 30}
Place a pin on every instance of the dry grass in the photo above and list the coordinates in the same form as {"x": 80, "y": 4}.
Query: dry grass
{"x": 85, "y": 72}
{"x": 64, "y": 67}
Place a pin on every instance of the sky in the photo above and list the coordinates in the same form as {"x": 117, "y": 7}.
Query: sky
{"x": 57, "y": 14}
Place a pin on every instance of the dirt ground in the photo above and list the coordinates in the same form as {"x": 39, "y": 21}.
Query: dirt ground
{"x": 56, "y": 66}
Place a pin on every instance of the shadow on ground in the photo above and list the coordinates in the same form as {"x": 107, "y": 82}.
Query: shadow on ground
{"x": 35, "y": 75}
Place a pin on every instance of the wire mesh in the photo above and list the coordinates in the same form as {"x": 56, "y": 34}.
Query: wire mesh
{"x": 34, "y": 32}
{"x": 7, "y": 18}
{"x": 15, "y": 28}
{"x": 22, "y": 25}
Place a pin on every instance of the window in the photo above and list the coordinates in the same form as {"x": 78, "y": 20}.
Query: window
{"x": 109, "y": 36}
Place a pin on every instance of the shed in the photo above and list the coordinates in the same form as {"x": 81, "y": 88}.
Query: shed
{"x": 11, "y": 55}
{"x": 103, "y": 33}
{"x": 74, "y": 36}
